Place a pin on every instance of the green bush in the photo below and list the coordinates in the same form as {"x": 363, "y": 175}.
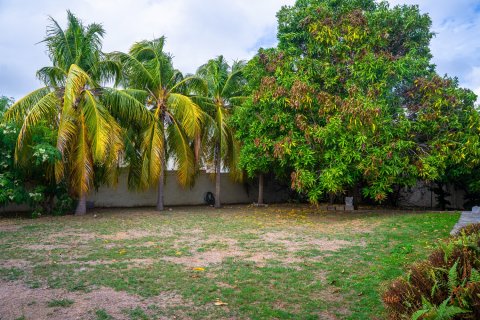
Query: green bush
{"x": 32, "y": 180}
{"x": 445, "y": 286}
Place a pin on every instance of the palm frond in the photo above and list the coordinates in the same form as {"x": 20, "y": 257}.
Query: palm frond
{"x": 52, "y": 76}
{"x": 135, "y": 73}
{"x": 19, "y": 110}
{"x": 97, "y": 125}
{"x": 75, "y": 83}
{"x": 44, "y": 109}
{"x": 153, "y": 153}
{"x": 183, "y": 154}
{"x": 81, "y": 178}
{"x": 187, "y": 113}
{"x": 128, "y": 105}
{"x": 195, "y": 85}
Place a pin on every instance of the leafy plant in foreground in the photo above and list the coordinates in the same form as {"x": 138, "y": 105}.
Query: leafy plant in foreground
{"x": 446, "y": 286}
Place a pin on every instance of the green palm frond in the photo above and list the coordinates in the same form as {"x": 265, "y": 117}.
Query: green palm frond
{"x": 153, "y": 152}
{"x": 134, "y": 72}
{"x": 109, "y": 71}
{"x": 44, "y": 109}
{"x": 183, "y": 154}
{"x": 52, "y": 76}
{"x": 66, "y": 135}
{"x": 75, "y": 83}
{"x": 234, "y": 84}
{"x": 128, "y": 105}
{"x": 225, "y": 90}
{"x": 195, "y": 85}
{"x": 97, "y": 125}
{"x": 19, "y": 110}
{"x": 81, "y": 161}
{"x": 187, "y": 113}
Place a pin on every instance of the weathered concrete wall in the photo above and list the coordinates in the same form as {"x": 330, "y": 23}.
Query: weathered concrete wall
{"x": 231, "y": 193}
{"x": 422, "y": 196}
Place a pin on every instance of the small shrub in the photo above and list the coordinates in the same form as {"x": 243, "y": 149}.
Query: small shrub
{"x": 470, "y": 229}
{"x": 445, "y": 286}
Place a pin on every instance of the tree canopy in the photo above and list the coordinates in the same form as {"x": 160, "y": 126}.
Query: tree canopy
{"x": 349, "y": 99}
{"x": 87, "y": 136}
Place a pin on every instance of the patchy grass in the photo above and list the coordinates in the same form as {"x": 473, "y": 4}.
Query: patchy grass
{"x": 60, "y": 303}
{"x": 285, "y": 262}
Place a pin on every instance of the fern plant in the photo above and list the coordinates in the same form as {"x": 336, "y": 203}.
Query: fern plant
{"x": 444, "y": 311}
{"x": 445, "y": 286}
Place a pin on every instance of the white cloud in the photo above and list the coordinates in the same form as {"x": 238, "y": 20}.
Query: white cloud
{"x": 199, "y": 30}
{"x": 196, "y": 31}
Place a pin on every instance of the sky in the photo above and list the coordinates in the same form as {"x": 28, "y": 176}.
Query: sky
{"x": 200, "y": 30}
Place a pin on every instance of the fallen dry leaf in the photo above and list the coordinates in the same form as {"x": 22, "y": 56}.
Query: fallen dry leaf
{"x": 218, "y": 302}
{"x": 198, "y": 269}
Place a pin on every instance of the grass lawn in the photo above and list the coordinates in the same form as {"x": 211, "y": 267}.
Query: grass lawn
{"x": 284, "y": 262}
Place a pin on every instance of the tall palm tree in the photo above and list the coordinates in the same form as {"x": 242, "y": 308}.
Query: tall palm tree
{"x": 87, "y": 134}
{"x": 170, "y": 120}
{"x": 225, "y": 91}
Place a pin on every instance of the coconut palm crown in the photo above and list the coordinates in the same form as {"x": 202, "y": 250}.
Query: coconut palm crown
{"x": 157, "y": 97}
{"x": 225, "y": 91}
{"x": 71, "y": 100}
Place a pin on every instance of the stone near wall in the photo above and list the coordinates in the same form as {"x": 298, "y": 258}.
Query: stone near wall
{"x": 349, "y": 204}
{"x": 476, "y": 210}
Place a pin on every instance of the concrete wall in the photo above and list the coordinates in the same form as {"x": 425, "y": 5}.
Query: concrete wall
{"x": 422, "y": 196}
{"x": 231, "y": 193}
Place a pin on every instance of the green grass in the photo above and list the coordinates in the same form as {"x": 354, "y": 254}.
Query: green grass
{"x": 60, "y": 303}
{"x": 278, "y": 262}
{"x": 101, "y": 314}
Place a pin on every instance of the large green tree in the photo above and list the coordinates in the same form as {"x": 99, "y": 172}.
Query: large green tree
{"x": 86, "y": 134}
{"x": 225, "y": 92}
{"x": 157, "y": 98}
{"x": 331, "y": 105}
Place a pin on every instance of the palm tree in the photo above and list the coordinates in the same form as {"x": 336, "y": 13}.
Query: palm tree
{"x": 225, "y": 89}
{"x": 87, "y": 134}
{"x": 170, "y": 120}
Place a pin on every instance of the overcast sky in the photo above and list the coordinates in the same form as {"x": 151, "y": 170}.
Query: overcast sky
{"x": 199, "y": 30}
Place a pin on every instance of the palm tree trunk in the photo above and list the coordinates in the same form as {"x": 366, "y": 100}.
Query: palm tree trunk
{"x": 161, "y": 179}
{"x": 218, "y": 204}
{"x": 260, "y": 189}
{"x": 161, "y": 189}
{"x": 81, "y": 205}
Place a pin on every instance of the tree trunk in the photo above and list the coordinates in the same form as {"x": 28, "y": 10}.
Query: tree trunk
{"x": 161, "y": 185}
{"x": 81, "y": 205}
{"x": 161, "y": 179}
{"x": 260, "y": 189}
{"x": 217, "y": 176}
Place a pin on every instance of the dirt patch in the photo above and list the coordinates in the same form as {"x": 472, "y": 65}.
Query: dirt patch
{"x": 327, "y": 316}
{"x": 132, "y": 263}
{"x": 17, "y": 300}
{"x": 261, "y": 258}
{"x": 302, "y": 243}
{"x": 15, "y": 263}
{"x": 129, "y": 235}
{"x": 9, "y": 228}
{"x": 204, "y": 259}
{"x": 72, "y": 234}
